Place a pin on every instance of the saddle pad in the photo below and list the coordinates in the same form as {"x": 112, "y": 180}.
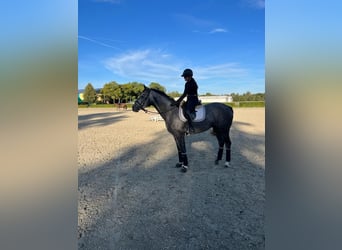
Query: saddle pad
{"x": 200, "y": 114}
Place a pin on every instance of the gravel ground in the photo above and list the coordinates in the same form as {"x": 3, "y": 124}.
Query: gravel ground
{"x": 132, "y": 197}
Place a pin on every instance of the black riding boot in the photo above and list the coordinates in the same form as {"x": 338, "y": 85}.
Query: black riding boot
{"x": 191, "y": 127}
{"x": 188, "y": 117}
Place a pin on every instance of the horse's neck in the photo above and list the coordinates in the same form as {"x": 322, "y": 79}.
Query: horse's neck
{"x": 161, "y": 103}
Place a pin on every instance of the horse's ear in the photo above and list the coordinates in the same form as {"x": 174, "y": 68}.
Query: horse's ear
{"x": 145, "y": 87}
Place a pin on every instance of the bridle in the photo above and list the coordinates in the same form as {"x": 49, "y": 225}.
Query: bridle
{"x": 141, "y": 104}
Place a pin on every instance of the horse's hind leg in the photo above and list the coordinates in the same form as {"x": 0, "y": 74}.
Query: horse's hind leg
{"x": 228, "y": 144}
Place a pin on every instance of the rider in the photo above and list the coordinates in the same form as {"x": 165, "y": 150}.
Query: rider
{"x": 190, "y": 91}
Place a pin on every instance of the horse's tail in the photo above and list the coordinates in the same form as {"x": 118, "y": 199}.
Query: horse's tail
{"x": 231, "y": 108}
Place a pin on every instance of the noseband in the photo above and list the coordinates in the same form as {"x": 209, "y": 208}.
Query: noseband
{"x": 141, "y": 104}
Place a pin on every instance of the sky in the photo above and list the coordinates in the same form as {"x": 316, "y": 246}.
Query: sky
{"x": 222, "y": 41}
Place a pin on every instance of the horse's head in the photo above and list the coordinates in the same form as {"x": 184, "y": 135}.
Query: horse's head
{"x": 143, "y": 100}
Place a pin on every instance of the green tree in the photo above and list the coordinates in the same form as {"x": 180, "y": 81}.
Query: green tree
{"x": 132, "y": 90}
{"x": 126, "y": 91}
{"x": 89, "y": 94}
{"x": 137, "y": 89}
{"x": 260, "y": 97}
{"x": 174, "y": 94}
{"x": 248, "y": 96}
{"x": 111, "y": 91}
{"x": 117, "y": 94}
{"x": 155, "y": 85}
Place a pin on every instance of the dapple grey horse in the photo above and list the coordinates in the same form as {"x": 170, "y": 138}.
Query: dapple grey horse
{"x": 218, "y": 116}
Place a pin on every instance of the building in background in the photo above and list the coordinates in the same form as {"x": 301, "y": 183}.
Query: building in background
{"x": 213, "y": 98}
{"x": 216, "y": 98}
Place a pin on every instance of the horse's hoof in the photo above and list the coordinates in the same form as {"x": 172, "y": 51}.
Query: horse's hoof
{"x": 227, "y": 164}
{"x": 178, "y": 165}
{"x": 184, "y": 169}
{"x": 216, "y": 162}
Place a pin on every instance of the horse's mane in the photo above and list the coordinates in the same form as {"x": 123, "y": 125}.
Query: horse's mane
{"x": 163, "y": 94}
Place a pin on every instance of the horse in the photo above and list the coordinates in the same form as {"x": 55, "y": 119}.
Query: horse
{"x": 219, "y": 117}
{"x": 120, "y": 106}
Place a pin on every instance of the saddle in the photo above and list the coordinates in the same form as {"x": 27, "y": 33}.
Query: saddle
{"x": 199, "y": 113}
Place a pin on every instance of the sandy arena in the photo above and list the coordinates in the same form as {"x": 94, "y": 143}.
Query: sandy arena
{"x": 132, "y": 197}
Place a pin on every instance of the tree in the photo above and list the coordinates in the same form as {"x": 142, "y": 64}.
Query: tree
{"x": 138, "y": 88}
{"x": 117, "y": 94}
{"x": 125, "y": 91}
{"x": 248, "y": 96}
{"x": 111, "y": 90}
{"x": 132, "y": 90}
{"x": 155, "y": 85}
{"x": 174, "y": 94}
{"x": 89, "y": 94}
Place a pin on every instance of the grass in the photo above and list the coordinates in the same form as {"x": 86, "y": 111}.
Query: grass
{"x": 247, "y": 104}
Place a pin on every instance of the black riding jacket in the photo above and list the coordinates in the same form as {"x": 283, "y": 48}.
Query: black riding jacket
{"x": 190, "y": 91}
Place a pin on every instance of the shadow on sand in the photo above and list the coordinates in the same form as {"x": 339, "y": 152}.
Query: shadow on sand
{"x": 138, "y": 201}
{"x": 98, "y": 119}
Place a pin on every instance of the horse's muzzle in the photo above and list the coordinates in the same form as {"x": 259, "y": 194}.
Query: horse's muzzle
{"x": 135, "y": 108}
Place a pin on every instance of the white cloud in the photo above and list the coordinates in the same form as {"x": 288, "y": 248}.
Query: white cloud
{"x": 148, "y": 64}
{"x": 97, "y": 42}
{"x": 195, "y": 22}
{"x": 218, "y": 30}
{"x": 259, "y": 4}
{"x": 154, "y": 65}
{"x": 226, "y": 70}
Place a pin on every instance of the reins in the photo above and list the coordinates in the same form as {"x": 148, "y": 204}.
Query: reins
{"x": 153, "y": 112}
{"x": 141, "y": 104}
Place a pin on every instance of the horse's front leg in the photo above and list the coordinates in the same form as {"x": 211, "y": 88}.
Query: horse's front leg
{"x": 183, "y": 158}
{"x": 220, "y": 140}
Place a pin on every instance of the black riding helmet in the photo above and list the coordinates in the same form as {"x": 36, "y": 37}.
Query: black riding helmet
{"x": 187, "y": 72}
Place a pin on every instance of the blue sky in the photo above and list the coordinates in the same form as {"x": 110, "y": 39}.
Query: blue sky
{"x": 222, "y": 41}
